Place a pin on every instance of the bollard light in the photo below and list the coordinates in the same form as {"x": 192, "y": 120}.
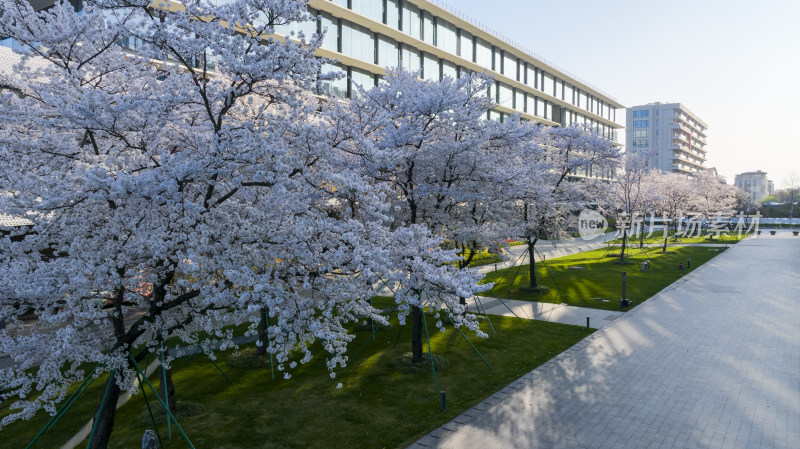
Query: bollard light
{"x": 587, "y": 322}
{"x": 688, "y": 262}
{"x": 623, "y": 302}
{"x": 444, "y": 405}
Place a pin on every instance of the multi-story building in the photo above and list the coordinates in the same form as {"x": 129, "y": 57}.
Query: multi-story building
{"x": 756, "y": 184}
{"x": 673, "y": 135}
{"x": 367, "y": 36}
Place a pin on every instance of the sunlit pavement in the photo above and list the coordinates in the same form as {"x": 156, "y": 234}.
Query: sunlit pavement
{"x": 556, "y": 313}
{"x": 713, "y": 361}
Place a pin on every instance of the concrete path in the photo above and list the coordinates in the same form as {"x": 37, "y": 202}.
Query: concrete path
{"x": 713, "y": 361}
{"x": 516, "y": 255}
{"x": 557, "y": 313}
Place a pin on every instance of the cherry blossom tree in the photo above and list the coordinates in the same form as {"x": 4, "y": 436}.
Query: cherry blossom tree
{"x": 553, "y": 188}
{"x": 428, "y": 145}
{"x": 630, "y": 194}
{"x": 673, "y": 193}
{"x": 186, "y": 186}
{"x": 712, "y": 196}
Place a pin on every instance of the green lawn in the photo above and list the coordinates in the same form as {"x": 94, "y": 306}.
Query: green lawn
{"x": 20, "y": 433}
{"x": 657, "y": 238}
{"x": 380, "y": 405}
{"x": 585, "y": 276}
{"x": 482, "y": 257}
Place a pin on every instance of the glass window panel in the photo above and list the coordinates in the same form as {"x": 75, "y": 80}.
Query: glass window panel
{"x": 519, "y": 101}
{"x": 494, "y": 115}
{"x": 548, "y": 84}
{"x": 393, "y": 13}
{"x": 506, "y": 95}
{"x": 446, "y": 36}
{"x": 531, "y": 75}
{"x": 540, "y": 107}
{"x": 363, "y": 79}
{"x": 331, "y": 30}
{"x": 410, "y": 59}
{"x": 369, "y": 8}
{"x": 498, "y": 60}
{"x": 357, "y": 42}
{"x": 342, "y": 3}
{"x": 559, "y": 89}
{"x": 449, "y": 69}
{"x": 641, "y": 123}
{"x": 333, "y": 88}
{"x": 510, "y": 66}
{"x": 483, "y": 56}
{"x": 431, "y": 68}
{"x": 466, "y": 46}
{"x": 492, "y": 92}
{"x": 293, "y": 29}
{"x": 427, "y": 28}
{"x": 568, "y": 93}
{"x": 548, "y": 111}
{"x": 411, "y": 20}
{"x": 387, "y": 52}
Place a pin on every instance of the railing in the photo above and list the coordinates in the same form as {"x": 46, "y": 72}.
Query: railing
{"x": 513, "y": 43}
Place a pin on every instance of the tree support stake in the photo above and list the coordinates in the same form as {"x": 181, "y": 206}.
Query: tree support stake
{"x": 430, "y": 353}
{"x": 163, "y": 404}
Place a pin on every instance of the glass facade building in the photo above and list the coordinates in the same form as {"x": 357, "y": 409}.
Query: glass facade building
{"x": 365, "y": 37}
{"x": 429, "y": 38}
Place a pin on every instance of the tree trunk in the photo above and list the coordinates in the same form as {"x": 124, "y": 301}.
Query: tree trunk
{"x": 534, "y": 282}
{"x": 105, "y": 417}
{"x": 416, "y": 334}
{"x": 262, "y": 332}
{"x": 641, "y": 232}
{"x": 168, "y": 389}
{"x": 624, "y": 244}
{"x": 666, "y": 235}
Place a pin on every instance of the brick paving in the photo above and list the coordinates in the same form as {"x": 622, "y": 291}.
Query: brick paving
{"x": 713, "y": 361}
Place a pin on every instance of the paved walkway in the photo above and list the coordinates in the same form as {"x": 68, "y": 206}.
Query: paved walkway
{"x": 557, "y": 313}
{"x": 713, "y": 361}
{"x": 516, "y": 255}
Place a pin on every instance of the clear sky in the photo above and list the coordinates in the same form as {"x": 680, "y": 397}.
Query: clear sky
{"x": 735, "y": 64}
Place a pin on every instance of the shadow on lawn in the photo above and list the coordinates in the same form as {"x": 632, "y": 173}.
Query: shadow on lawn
{"x": 594, "y": 280}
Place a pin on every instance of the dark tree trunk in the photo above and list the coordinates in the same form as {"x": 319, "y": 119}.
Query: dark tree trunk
{"x": 262, "y": 332}
{"x": 168, "y": 389}
{"x": 416, "y": 334}
{"x": 666, "y": 234}
{"x": 532, "y": 267}
{"x": 466, "y": 258}
{"x": 641, "y": 235}
{"x": 624, "y": 244}
{"x": 105, "y": 417}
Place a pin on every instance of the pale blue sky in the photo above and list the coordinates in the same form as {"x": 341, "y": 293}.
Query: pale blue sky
{"x": 736, "y": 64}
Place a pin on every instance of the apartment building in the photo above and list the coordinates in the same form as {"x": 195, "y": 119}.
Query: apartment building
{"x": 756, "y": 184}
{"x": 366, "y": 36}
{"x": 671, "y": 133}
